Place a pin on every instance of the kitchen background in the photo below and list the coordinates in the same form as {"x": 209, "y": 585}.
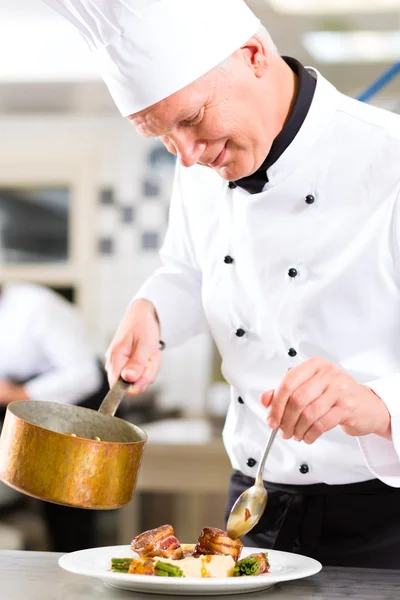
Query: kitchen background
{"x": 84, "y": 208}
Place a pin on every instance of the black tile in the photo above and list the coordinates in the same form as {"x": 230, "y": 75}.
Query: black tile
{"x": 151, "y": 188}
{"x": 127, "y": 214}
{"x": 150, "y": 240}
{"x": 107, "y": 197}
{"x": 106, "y": 246}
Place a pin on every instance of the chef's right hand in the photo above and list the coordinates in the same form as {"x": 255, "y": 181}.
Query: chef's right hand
{"x": 134, "y": 353}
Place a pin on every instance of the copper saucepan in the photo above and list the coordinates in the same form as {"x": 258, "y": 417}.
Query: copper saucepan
{"x": 98, "y": 469}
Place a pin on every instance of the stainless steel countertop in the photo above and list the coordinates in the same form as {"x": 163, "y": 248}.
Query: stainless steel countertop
{"x": 37, "y": 576}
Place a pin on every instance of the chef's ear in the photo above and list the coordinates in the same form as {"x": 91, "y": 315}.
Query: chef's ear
{"x": 255, "y": 54}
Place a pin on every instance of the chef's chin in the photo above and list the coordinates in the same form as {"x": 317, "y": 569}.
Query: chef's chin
{"x": 233, "y": 171}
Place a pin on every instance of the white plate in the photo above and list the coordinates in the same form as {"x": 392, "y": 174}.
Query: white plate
{"x": 96, "y": 562}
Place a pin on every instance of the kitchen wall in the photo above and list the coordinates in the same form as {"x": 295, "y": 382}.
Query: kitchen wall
{"x": 120, "y": 195}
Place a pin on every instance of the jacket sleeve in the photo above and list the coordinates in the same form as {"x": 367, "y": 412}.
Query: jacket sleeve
{"x": 59, "y": 336}
{"x": 175, "y": 288}
{"x": 383, "y": 456}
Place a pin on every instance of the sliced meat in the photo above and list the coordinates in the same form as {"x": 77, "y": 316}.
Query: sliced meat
{"x": 217, "y": 541}
{"x": 158, "y": 542}
{"x": 264, "y": 563}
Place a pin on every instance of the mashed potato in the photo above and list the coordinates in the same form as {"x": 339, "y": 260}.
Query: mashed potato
{"x": 211, "y": 565}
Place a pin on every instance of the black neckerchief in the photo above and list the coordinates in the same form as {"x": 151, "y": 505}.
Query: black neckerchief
{"x": 255, "y": 182}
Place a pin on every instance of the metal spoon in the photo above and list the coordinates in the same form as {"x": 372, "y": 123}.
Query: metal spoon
{"x": 248, "y": 508}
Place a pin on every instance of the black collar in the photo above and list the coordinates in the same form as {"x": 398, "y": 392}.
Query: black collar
{"x": 305, "y": 92}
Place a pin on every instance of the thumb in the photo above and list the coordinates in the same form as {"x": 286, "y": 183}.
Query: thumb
{"x": 136, "y": 364}
{"x": 266, "y": 398}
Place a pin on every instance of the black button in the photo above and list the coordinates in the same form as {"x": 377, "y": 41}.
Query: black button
{"x": 240, "y": 332}
{"x": 304, "y": 469}
{"x": 292, "y": 272}
{"x": 228, "y": 260}
{"x": 232, "y": 185}
{"x": 251, "y": 462}
{"x": 292, "y": 352}
{"x": 310, "y": 199}
{"x": 240, "y": 400}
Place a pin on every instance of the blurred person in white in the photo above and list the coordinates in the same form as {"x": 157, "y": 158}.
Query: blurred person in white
{"x": 45, "y": 355}
{"x": 284, "y": 242}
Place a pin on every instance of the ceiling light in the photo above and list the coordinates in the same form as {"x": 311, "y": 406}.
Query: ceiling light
{"x": 43, "y": 49}
{"x": 334, "y": 6}
{"x": 353, "y": 46}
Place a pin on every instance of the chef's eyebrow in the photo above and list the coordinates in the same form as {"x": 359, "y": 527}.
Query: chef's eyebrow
{"x": 140, "y": 127}
{"x": 185, "y": 113}
{"x": 182, "y": 116}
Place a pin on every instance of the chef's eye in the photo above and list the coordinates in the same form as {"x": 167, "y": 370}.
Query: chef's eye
{"x": 194, "y": 120}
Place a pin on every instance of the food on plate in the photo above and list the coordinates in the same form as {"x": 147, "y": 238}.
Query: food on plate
{"x": 188, "y": 549}
{"x": 214, "y": 555}
{"x": 210, "y": 565}
{"x": 205, "y": 566}
{"x": 217, "y": 541}
{"x": 145, "y": 566}
{"x": 160, "y": 542}
{"x": 121, "y": 565}
{"x": 254, "y": 564}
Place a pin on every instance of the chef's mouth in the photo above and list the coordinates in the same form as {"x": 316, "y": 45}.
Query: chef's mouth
{"x": 219, "y": 159}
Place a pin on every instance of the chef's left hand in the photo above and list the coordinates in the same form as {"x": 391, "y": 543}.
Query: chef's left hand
{"x": 9, "y": 392}
{"x": 316, "y": 396}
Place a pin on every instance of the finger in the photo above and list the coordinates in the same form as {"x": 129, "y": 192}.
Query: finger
{"x": 117, "y": 358}
{"x": 313, "y": 413}
{"x": 327, "y": 422}
{"x": 156, "y": 363}
{"x": 128, "y": 362}
{"x": 305, "y": 395}
{"x": 140, "y": 385}
{"x": 266, "y": 398}
{"x": 149, "y": 375}
{"x": 290, "y": 382}
{"x": 137, "y": 362}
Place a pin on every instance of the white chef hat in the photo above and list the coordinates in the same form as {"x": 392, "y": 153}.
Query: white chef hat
{"x": 147, "y": 50}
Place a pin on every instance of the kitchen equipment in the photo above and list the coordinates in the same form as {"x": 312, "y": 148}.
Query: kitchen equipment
{"x": 248, "y": 508}
{"x": 72, "y": 455}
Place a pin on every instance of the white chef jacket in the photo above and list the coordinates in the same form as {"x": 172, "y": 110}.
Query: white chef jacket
{"x": 342, "y": 305}
{"x": 43, "y": 341}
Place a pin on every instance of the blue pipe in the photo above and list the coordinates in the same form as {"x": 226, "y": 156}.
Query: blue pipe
{"x": 380, "y": 83}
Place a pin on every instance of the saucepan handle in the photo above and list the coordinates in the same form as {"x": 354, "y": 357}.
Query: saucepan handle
{"x": 113, "y": 398}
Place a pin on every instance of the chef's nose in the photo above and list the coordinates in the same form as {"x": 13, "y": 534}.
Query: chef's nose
{"x": 188, "y": 148}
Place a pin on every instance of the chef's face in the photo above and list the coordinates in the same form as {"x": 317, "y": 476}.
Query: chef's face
{"x": 225, "y": 120}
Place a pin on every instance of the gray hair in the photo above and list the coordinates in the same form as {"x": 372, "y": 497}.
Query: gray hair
{"x": 263, "y": 34}
{"x": 265, "y": 37}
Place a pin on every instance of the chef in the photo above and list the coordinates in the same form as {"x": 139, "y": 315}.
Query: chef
{"x": 45, "y": 355}
{"x": 284, "y": 242}
{"x": 43, "y": 344}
